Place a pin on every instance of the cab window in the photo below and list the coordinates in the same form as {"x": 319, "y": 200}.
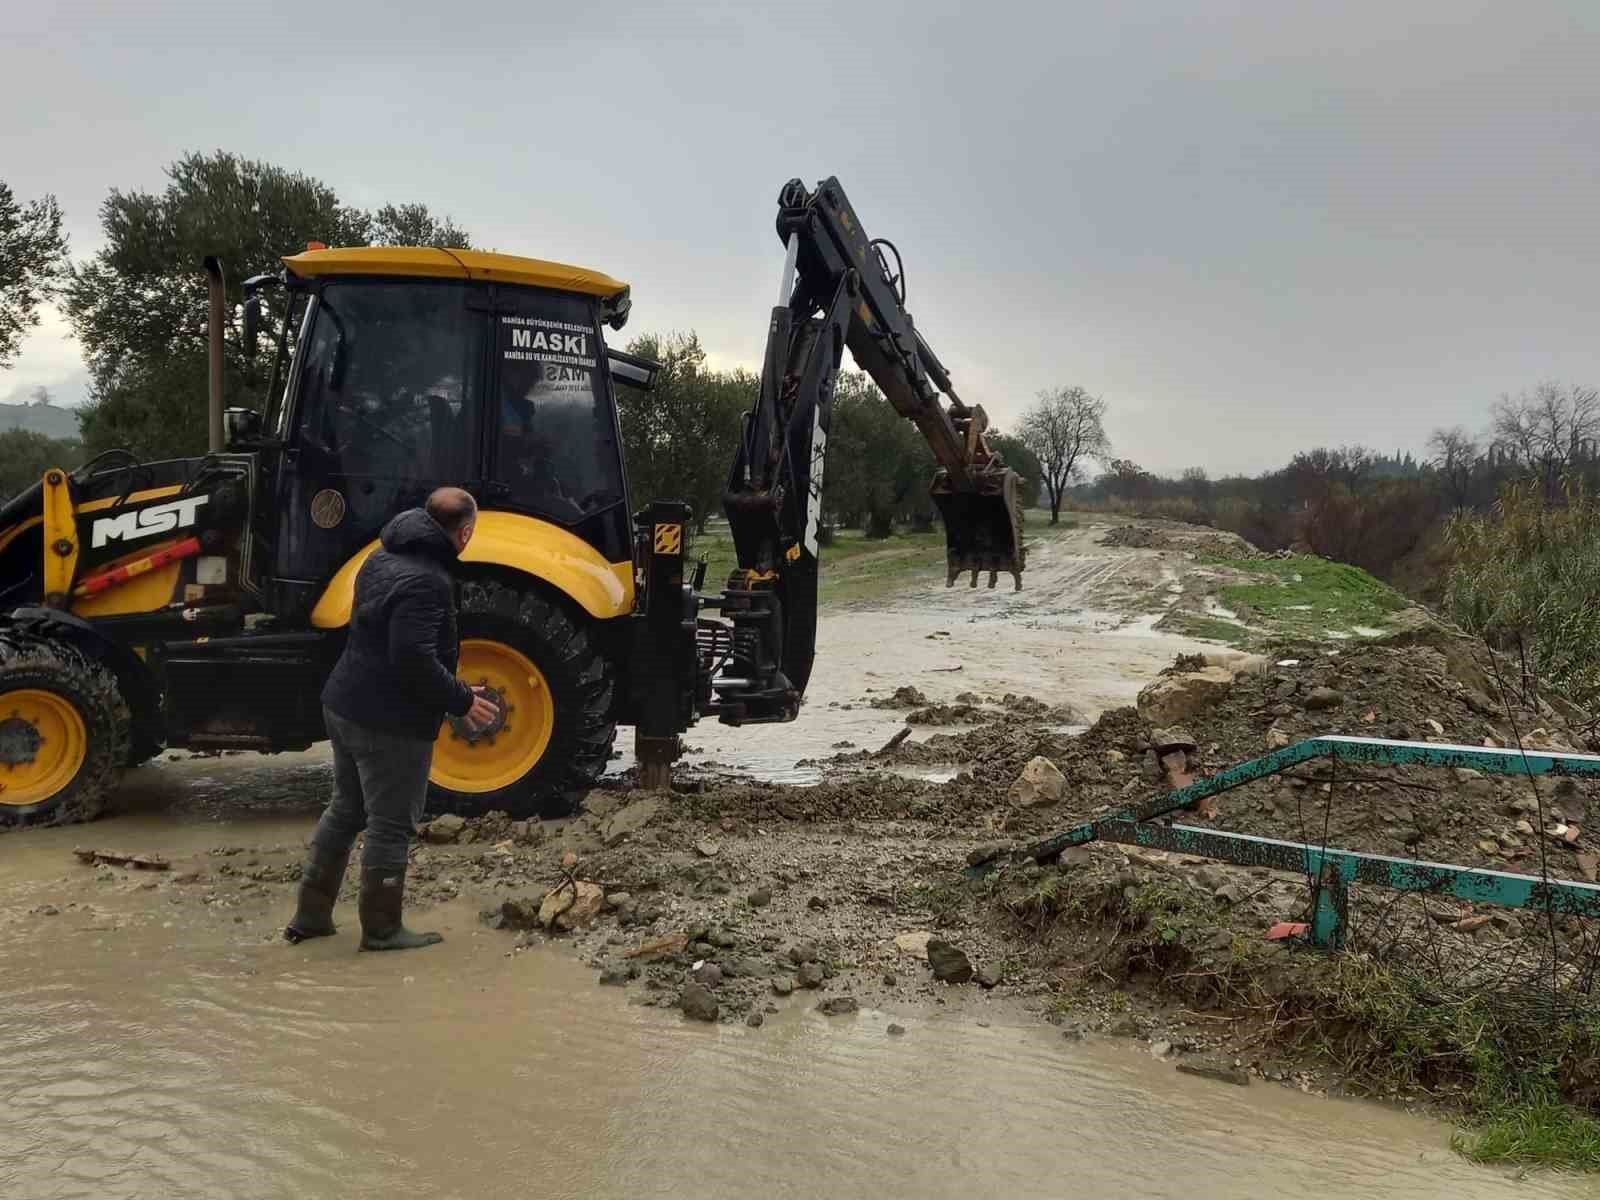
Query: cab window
{"x": 555, "y": 449}
{"x": 388, "y": 388}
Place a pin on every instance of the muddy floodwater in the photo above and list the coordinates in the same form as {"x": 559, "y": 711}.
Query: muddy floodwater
{"x": 155, "y": 1059}
{"x": 155, "y": 1046}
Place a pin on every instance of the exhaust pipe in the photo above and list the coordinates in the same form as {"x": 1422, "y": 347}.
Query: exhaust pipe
{"x": 214, "y": 340}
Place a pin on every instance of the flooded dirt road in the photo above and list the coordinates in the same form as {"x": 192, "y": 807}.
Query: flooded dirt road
{"x": 157, "y": 1040}
{"x": 1079, "y": 634}
{"x": 141, "y": 1056}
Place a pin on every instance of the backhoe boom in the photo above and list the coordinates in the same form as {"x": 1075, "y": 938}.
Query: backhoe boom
{"x": 838, "y": 291}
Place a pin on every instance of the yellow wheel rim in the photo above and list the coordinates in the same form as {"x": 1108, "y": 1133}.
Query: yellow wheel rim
{"x": 498, "y": 758}
{"x": 43, "y": 743}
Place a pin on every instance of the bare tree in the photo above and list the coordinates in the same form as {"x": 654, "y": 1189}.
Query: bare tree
{"x": 1455, "y": 456}
{"x": 1197, "y": 483}
{"x": 1063, "y": 429}
{"x": 1548, "y": 430}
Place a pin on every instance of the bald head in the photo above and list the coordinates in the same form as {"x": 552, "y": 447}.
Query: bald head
{"x": 455, "y": 511}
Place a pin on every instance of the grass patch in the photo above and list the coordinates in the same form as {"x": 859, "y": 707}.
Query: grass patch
{"x": 1211, "y": 629}
{"x": 942, "y": 899}
{"x": 1522, "y": 1076}
{"x": 1307, "y": 596}
{"x": 1524, "y": 1079}
{"x": 1543, "y": 1133}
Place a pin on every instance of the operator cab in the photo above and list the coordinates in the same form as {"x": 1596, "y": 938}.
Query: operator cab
{"x": 402, "y": 369}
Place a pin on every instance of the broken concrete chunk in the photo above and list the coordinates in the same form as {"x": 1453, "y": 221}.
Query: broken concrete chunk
{"x": 1041, "y": 782}
{"x": 571, "y": 906}
{"x": 1175, "y": 737}
{"x": 1175, "y": 699}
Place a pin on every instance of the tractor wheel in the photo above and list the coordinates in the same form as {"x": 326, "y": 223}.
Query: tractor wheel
{"x": 554, "y": 735}
{"x": 64, "y": 730}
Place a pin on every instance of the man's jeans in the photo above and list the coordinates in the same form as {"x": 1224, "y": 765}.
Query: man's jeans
{"x": 380, "y": 781}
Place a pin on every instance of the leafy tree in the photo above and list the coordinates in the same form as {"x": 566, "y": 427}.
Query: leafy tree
{"x": 1064, "y": 428}
{"x": 414, "y": 225}
{"x": 1127, "y": 480}
{"x": 156, "y": 408}
{"x": 878, "y": 467}
{"x": 25, "y": 456}
{"x": 679, "y": 438}
{"x": 139, "y": 306}
{"x": 33, "y": 258}
{"x": 1021, "y": 460}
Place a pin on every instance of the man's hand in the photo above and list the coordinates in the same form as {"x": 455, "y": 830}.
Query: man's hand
{"x": 483, "y": 712}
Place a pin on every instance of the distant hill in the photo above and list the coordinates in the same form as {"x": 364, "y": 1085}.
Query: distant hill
{"x": 49, "y": 420}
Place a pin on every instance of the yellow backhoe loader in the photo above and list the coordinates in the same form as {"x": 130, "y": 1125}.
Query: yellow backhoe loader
{"x": 202, "y": 602}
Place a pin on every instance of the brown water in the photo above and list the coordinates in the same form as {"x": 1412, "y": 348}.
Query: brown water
{"x": 149, "y": 1052}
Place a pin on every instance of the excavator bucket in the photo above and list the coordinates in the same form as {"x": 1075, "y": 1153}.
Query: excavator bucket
{"x": 982, "y": 525}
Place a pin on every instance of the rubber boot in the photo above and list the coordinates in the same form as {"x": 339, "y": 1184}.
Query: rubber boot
{"x": 383, "y": 890}
{"x": 319, "y": 890}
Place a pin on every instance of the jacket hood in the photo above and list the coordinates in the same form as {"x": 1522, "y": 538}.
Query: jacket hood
{"x": 415, "y": 532}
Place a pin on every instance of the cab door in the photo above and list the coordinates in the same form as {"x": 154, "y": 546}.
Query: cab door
{"x": 388, "y": 408}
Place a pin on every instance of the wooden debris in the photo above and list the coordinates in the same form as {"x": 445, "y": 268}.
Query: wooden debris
{"x": 673, "y": 943}
{"x": 894, "y": 741}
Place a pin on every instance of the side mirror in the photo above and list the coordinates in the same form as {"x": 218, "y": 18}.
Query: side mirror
{"x": 240, "y": 427}
{"x": 252, "y": 325}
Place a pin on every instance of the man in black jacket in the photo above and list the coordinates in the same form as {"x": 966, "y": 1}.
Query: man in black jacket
{"x": 383, "y": 704}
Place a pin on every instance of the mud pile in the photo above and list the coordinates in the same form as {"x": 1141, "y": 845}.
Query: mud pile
{"x": 1213, "y": 542}
{"x": 1433, "y": 685}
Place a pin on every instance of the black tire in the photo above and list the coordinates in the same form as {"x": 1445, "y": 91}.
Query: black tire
{"x": 29, "y": 663}
{"x": 579, "y": 681}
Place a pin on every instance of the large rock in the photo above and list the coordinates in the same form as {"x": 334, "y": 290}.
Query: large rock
{"x": 442, "y": 831}
{"x": 950, "y": 964}
{"x": 600, "y": 805}
{"x": 1320, "y": 699}
{"x": 517, "y": 913}
{"x": 1041, "y": 782}
{"x": 627, "y": 821}
{"x": 561, "y": 909}
{"x": 1219, "y": 1069}
{"x": 698, "y": 1002}
{"x": 1174, "y": 699}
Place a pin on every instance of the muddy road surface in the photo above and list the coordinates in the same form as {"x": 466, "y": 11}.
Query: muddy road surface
{"x": 1079, "y": 634}
{"x": 158, "y": 1040}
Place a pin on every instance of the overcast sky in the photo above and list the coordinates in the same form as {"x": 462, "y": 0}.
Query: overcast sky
{"x": 1250, "y": 227}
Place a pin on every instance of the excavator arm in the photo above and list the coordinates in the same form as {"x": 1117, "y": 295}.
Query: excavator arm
{"x": 837, "y": 293}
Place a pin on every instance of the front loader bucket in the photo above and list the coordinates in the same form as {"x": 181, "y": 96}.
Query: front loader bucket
{"x": 982, "y": 526}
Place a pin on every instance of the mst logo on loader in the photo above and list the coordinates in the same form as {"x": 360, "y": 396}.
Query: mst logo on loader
{"x": 146, "y": 522}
